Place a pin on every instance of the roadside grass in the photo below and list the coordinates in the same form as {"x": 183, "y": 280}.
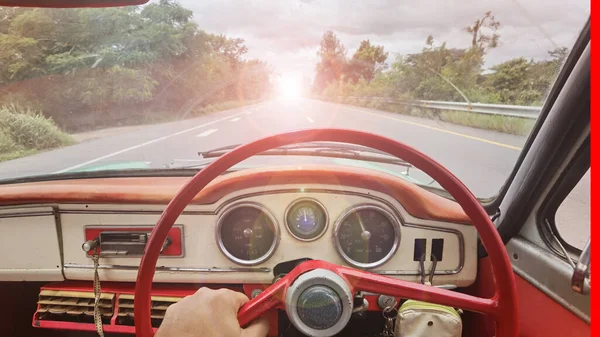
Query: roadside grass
{"x": 16, "y": 154}
{"x": 223, "y": 106}
{"x": 505, "y": 124}
{"x": 24, "y": 131}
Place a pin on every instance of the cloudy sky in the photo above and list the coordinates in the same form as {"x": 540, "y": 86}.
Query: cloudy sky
{"x": 286, "y": 33}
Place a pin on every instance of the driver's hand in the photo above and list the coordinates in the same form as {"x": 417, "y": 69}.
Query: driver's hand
{"x": 209, "y": 313}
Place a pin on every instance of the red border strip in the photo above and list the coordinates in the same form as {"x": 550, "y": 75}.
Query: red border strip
{"x": 595, "y": 157}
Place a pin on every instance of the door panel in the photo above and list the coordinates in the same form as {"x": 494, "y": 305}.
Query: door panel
{"x": 548, "y": 307}
{"x": 541, "y": 313}
{"x": 542, "y": 316}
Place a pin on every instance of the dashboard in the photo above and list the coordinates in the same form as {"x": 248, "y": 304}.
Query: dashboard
{"x": 238, "y": 229}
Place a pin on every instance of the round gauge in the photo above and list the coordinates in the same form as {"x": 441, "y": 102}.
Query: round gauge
{"x": 306, "y": 219}
{"x": 367, "y": 236}
{"x": 247, "y": 234}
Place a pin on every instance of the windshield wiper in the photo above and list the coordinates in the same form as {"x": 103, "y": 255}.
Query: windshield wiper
{"x": 320, "y": 149}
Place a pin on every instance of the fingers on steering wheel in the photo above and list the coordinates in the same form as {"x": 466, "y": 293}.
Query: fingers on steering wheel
{"x": 258, "y": 328}
{"x": 239, "y": 298}
{"x": 232, "y": 298}
{"x": 235, "y": 298}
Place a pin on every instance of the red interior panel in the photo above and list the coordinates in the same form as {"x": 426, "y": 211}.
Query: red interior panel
{"x": 541, "y": 316}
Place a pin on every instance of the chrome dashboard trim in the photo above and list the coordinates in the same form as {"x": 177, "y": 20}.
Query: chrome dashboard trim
{"x": 336, "y": 239}
{"x": 305, "y": 199}
{"x": 230, "y": 256}
{"x": 175, "y": 269}
{"x": 26, "y": 214}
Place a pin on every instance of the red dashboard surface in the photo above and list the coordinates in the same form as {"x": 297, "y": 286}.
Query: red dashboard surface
{"x": 160, "y": 190}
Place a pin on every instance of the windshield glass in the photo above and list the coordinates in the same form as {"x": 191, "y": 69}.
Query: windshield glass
{"x": 149, "y": 87}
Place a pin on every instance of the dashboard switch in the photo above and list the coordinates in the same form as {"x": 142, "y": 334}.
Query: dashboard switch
{"x": 437, "y": 248}
{"x": 420, "y": 249}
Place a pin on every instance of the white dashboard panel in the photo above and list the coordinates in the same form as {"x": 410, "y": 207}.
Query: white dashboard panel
{"x": 29, "y": 246}
{"x": 203, "y": 261}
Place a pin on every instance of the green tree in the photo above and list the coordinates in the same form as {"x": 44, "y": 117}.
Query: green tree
{"x": 367, "y": 61}
{"x": 484, "y": 32}
{"x": 332, "y": 61}
{"x": 509, "y": 80}
{"x": 438, "y": 72}
{"x": 231, "y": 48}
{"x": 120, "y": 62}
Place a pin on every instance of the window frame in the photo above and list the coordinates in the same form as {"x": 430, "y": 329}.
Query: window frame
{"x": 492, "y": 204}
{"x": 556, "y": 125}
{"x": 569, "y": 178}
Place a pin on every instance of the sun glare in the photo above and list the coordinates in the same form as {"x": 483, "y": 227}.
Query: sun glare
{"x": 290, "y": 86}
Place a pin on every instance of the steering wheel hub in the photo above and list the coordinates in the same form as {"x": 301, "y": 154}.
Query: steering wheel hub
{"x": 319, "y": 307}
{"x": 319, "y": 303}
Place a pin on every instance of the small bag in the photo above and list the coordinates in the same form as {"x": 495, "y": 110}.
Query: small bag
{"x": 422, "y": 319}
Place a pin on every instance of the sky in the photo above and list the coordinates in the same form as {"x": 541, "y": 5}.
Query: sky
{"x": 286, "y": 33}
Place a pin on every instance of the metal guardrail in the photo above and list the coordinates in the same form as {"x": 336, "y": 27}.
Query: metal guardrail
{"x": 531, "y": 112}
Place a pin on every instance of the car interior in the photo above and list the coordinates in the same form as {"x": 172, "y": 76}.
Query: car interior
{"x": 83, "y": 249}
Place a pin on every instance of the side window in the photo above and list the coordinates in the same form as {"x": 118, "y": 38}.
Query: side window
{"x": 573, "y": 215}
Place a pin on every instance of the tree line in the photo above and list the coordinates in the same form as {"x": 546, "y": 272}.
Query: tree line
{"x": 102, "y": 65}
{"x": 437, "y": 72}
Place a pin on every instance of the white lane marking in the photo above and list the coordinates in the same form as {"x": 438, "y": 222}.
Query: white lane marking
{"x": 249, "y": 113}
{"x": 235, "y": 119}
{"x": 310, "y": 120}
{"x": 206, "y": 133}
{"x": 146, "y": 143}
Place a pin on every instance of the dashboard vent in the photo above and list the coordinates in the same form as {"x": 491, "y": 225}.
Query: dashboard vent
{"x": 157, "y": 311}
{"x": 73, "y": 306}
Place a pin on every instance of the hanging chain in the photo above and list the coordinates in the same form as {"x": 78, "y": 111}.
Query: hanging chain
{"x": 389, "y": 314}
{"x": 97, "y": 293}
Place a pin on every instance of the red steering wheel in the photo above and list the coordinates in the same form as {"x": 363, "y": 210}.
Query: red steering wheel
{"x": 502, "y": 306}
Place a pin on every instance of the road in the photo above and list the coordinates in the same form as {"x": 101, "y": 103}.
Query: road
{"x": 482, "y": 159}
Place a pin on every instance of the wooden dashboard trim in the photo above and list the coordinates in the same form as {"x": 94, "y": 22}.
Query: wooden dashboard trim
{"x": 151, "y": 190}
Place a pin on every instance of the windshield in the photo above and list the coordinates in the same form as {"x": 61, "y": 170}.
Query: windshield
{"x": 150, "y": 87}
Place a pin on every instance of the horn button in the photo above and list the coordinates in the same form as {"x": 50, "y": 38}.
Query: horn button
{"x": 319, "y": 303}
{"x": 319, "y": 307}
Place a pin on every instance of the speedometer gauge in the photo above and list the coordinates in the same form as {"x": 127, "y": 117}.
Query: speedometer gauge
{"x": 247, "y": 234}
{"x": 306, "y": 219}
{"x": 367, "y": 236}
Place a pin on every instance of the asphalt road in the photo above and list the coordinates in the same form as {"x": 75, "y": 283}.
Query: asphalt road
{"x": 482, "y": 159}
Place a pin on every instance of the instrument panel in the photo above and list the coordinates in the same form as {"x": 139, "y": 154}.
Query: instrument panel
{"x": 244, "y": 235}
{"x": 365, "y": 236}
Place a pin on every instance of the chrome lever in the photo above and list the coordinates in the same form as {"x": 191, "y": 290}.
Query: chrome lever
{"x": 580, "y": 281}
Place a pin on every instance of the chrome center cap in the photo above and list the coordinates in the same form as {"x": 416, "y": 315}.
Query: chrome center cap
{"x": 319, "y": 303}
{"x": 319, "y": 307}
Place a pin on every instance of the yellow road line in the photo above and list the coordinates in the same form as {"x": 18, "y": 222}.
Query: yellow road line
{"x": 447, "y": 131}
